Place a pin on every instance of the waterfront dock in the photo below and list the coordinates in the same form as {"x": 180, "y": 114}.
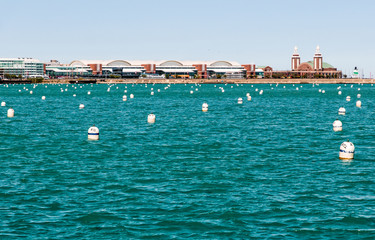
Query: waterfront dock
{"x": 219, "y": 81}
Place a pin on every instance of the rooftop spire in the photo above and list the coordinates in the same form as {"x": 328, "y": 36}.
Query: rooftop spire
{"x": 295, "y": 50}
{"x": 317, "y": 49}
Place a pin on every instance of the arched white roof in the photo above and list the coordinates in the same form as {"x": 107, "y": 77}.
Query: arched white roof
{"x": 171, "y": 63}
{"x": 77, "y": 63}
{"x": 221, "y": 63}
{"x": 118, "y": 63}
{"x": 166, "y": 63}
{"x": 87, "y": 62}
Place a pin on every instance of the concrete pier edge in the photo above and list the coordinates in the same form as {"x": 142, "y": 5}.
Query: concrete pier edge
{"x": 217, "y": 81}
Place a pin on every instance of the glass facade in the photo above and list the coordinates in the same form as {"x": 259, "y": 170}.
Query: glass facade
{"x": 26, "y": 67}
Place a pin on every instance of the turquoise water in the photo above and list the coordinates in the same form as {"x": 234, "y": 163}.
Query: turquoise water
{"x": 266, "y": 169}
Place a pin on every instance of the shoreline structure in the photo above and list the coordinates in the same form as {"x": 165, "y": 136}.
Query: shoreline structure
{"x": 216, "y": 81}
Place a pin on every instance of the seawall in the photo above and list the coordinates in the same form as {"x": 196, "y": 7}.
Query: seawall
{"x": 219, "y": 81}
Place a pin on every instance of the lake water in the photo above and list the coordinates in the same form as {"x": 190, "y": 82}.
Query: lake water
{"x": 266, "y": 169}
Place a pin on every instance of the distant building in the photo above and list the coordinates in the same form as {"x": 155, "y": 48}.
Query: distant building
{"x": 152, "y": 69}
{"x": 26, "y": 67}
{"x": 316, "y": 68}
{"x": 55, "y": 69}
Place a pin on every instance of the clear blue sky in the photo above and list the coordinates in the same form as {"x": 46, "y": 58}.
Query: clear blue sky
{"x": 260, "y": 32}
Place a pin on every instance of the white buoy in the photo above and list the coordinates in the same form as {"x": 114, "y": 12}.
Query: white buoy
{"x": 132, "y": 95}
{"x": 248, "y": 98}
{"x": 43, "y": 97}
{"x": 320, "y": 90}
{"x": 151, "y": 118}
{"x": 31, "y": 92}
{"x": 247, "y": 94}
{"x": 3, "y": 104}
{"x": 81, "y": 106}
{"x": 346, "y": 150}
{"x": 348, "y": 98}
{"x": 337, "y": 126}
{"x": 204, "y": 107}
{"x": 342, "y": 111}
{"x": 10, "y": 113}
{"x": 339, "y": 92}
{"x": 297, "y": 88}
{"x": 358, "y": 95}
{"x": 124, "y": 98}
{"x": 152, "y": 93}
{"x": 74, "y": 95}
{"x": 88, "y": 93}
{"x": 323, "y": 91}
{"x": 191, "y": 92}
{"x": 93, "y": 133}
{"x": 358, "y": 103}
{"x": 240, "y": 101}
{"x": 260, "y": 92}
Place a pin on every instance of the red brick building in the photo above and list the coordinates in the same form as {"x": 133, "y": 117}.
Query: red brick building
{"x": 316, "y": 68}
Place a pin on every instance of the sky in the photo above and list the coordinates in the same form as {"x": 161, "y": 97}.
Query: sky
{"x": 245, "y": 31}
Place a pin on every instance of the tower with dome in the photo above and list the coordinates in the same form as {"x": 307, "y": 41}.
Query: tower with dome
{"x": 315, "y": 68}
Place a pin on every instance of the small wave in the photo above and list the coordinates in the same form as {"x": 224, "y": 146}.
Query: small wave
{"x": 97, "y": 217}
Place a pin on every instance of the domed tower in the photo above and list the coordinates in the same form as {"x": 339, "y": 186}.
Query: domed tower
{"x": 318, "y": 60}
{"x": 296, "y": 60}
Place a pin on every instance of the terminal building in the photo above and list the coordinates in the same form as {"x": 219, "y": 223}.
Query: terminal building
{"x": 151, "y": 69}
{"x": 25, "y": 67}
{"x": 315, "y": 68}
{"x": 29, "y": 67}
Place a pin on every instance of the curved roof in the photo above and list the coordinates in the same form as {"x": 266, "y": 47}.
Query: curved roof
{"x": 77, "y": 63}
{"x": 171, "y": 63}
{"x": 102, "y": 62}
{"x": 118, "y": 63}
{"x": 310, "y": 63}
{"x": 189, "y": 63}
{"x": 306, "y": 66}
{"x": 325, "y": 65}
{"x": 221, "y": 63}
